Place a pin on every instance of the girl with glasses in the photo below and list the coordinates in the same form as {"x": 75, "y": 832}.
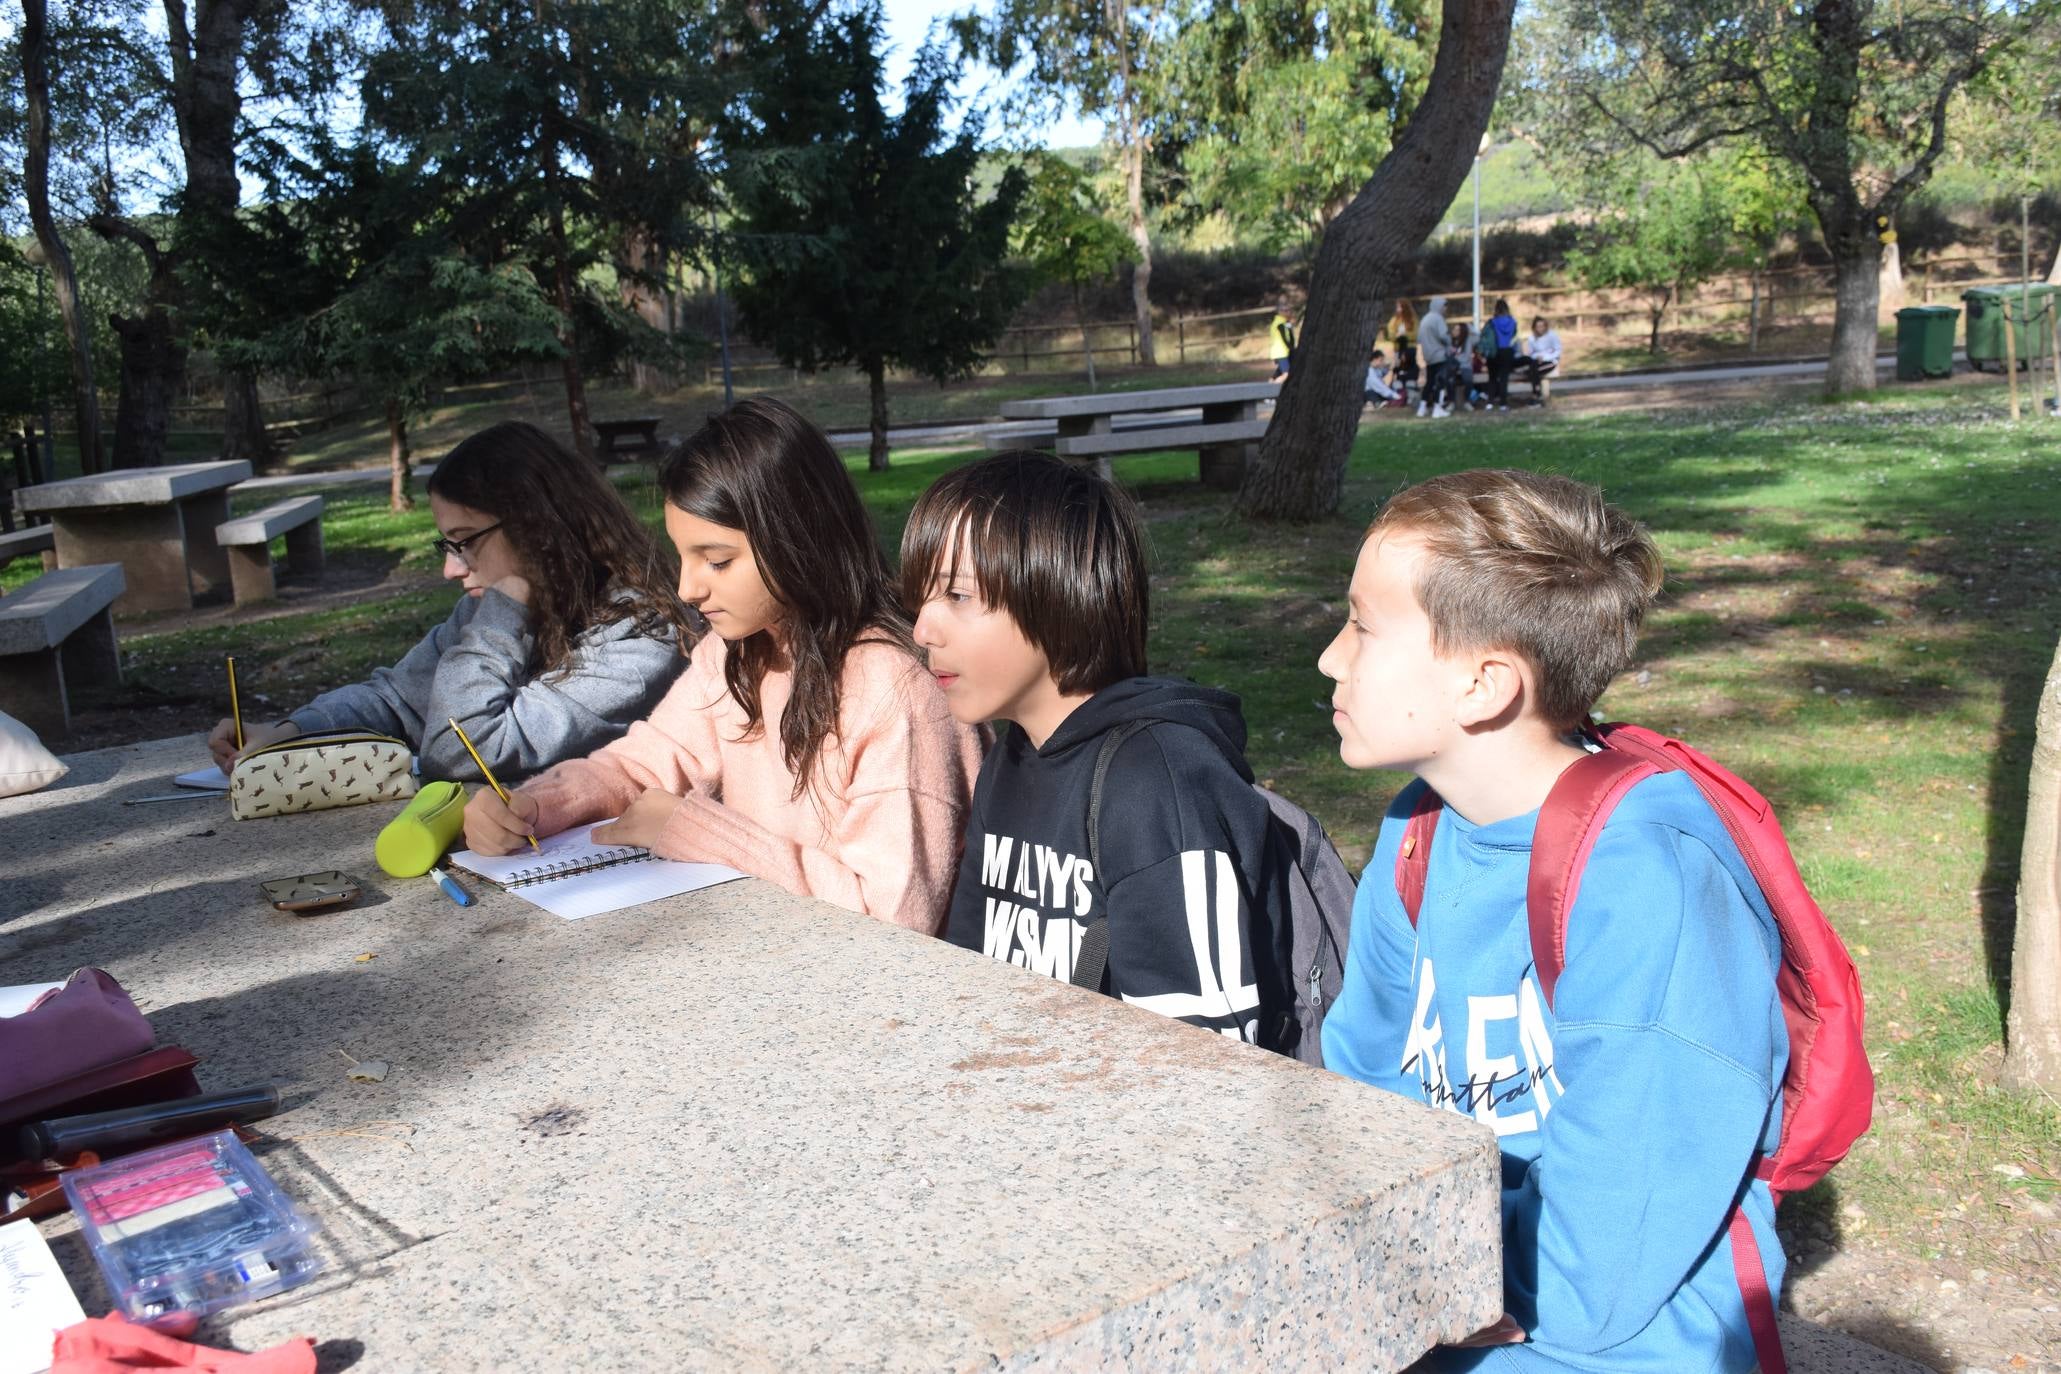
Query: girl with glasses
{"x": 807, "y": 744}
{"x": 568, "y": 629}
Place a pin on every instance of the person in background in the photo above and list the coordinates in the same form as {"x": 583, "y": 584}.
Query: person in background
{"x": 1435, "y": 339}
{"x": 1543, "y": 350}
{"x": 1464, "y": 360}
{"x": 1499, "y": 348}
{"x": 1379, "y": 389}
{"x": 1404, "y": 328}
{"x": 568, "y": 629}
{"x": 1281, "y": 340}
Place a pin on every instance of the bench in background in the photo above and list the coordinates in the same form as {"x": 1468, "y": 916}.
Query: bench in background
{"x": 248, "y": 542}
{"x": 55, "y": 634}
{"x": 1084, "y": 428}
{"x": 23, "y": 542}
{"x": 627, "y": 436}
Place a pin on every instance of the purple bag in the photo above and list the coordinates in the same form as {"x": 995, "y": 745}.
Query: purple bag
{"x": 87, "y": 1024}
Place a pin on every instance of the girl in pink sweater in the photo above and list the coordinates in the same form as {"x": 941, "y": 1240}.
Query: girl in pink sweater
{"x": 806, "y": 743}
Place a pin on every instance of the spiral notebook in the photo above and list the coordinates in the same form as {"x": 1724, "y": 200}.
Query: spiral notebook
{"x": 574, "y": 877}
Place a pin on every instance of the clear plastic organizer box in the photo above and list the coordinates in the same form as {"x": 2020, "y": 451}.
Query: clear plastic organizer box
{"x": 191, "y": 1227}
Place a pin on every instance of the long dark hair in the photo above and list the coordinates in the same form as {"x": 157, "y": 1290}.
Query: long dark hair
{"x": 761, "y": 467}
{"x": 590, "y": 561}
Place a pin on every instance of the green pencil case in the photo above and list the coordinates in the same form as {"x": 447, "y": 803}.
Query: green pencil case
{"x": 426, "y": 827}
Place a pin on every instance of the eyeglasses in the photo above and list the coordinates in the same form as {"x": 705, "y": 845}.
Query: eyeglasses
{"x": 457, "y": 548}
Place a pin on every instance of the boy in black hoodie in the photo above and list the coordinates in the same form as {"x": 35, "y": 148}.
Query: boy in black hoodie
{"x": 1029, "y": 577}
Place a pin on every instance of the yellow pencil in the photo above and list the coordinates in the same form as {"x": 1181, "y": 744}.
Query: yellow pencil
{"x": 484, "y": 772}
{"x": 235, "y": 711}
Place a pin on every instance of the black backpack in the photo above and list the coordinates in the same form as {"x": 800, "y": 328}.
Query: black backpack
{"x": 1320, "y": 908}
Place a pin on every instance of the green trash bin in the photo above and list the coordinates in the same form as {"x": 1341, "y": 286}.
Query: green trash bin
{"x": 2032, "y": 308}
{"x": 1925, "y": 341}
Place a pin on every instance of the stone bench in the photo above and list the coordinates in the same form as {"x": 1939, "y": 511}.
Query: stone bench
{"x": 57, "y": 633}
{"x": 1001, "y": 441}
{"x": 627, "y": 436}
{"x": 248, "y": 542}
{"x": 1221, "y": 446}
{"x": 35, "y": 539}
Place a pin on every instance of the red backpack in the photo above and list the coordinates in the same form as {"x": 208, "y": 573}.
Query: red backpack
{"x": 1828, "y": 1092}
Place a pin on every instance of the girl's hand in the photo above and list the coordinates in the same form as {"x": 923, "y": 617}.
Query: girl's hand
{"x": 493, "y": 826}
{"x": 222, "y": 740}
{"x": 643, "y": 823}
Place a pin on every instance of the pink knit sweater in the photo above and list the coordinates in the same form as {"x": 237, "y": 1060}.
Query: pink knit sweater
{"x": 878, "y": 832}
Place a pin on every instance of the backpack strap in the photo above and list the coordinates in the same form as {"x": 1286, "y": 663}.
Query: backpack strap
{"x": 1093, "y": 961}
{"x": 1573, "y": 816}
{"x": 1413, "y": 856}
{"x": 1752, "y": 1275}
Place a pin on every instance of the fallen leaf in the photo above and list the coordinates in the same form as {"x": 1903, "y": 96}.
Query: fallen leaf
{"x": 366, "y": 958}
{"x": 368, "y": 1071}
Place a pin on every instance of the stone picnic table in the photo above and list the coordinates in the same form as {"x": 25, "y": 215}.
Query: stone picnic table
{"x": 738, "y": 1129}
{"x": 1084, "y": 427}
{"x": 158, "y": 523}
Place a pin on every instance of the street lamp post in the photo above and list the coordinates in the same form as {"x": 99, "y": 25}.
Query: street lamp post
{"x": 1477, "y": 230}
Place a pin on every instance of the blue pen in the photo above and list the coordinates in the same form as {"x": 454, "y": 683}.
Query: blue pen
{"x": 450, "y": 886}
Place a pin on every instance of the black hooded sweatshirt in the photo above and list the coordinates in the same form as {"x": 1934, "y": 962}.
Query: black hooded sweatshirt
{"x": 1195, "y": 882}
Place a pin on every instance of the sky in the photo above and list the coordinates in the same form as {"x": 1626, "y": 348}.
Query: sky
{"x": 907, "y": 23}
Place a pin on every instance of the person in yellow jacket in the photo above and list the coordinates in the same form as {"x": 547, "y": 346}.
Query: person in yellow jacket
{"x": 1281, "y": 340}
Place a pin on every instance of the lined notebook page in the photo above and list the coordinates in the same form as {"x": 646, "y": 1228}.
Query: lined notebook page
{"x": 610, "y": 877}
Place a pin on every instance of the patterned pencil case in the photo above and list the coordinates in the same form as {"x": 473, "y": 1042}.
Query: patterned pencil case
{"x": 317, "y": 772}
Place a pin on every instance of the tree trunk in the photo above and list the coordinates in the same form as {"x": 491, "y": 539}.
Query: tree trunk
{"x": 568, "y": 335}
{"x": 1300, "y": 471}
{"x": 2032, "y": 1044}
{"x": 1856, "y": 275}
{"x": 243, "y": 427}
{"x": 641, "y": 286}
{"x": 1080, "y": 314}
{"x": 57, "y": 257}
{"x": 1141, "y": 272}
{"x": 153, "y": 366}
{"x": 1657, "y": 314}
{"x": 876, "y": 383}
{"x": 397, "y": 456}
{"x": 153, "y": 363}
{"x": 206, "y": 105}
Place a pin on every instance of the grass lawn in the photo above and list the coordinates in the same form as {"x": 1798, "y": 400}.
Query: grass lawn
{"x": 1863, "y": 601}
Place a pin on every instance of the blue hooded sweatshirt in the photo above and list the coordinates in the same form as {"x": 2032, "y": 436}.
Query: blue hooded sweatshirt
{"x": 1630, "y": 1114}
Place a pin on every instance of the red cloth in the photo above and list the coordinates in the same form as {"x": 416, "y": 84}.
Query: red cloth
{"x": 113, "y": 1345}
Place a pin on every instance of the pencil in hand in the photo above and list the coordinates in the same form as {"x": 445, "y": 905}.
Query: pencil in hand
{"x": 235, "y": 710}
{"x": 487, "y": 773}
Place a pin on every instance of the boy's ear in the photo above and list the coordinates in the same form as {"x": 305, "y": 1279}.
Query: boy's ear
{"x": 1493, "y": 691}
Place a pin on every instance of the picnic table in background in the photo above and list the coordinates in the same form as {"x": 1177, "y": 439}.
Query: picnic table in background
{"x": 158, "y": 523}
{"x": 739, "y": 1128}
{"x": 1086, "y": 428}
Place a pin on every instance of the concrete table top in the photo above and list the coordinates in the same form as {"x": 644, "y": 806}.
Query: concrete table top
{"x": 739, "y": 1129}
{"x": 132, "y": 486}
{"x": 1128, "y": 402}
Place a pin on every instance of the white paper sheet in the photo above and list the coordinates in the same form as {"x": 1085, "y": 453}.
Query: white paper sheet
{"x": 206, "y": 779}
{"x": 16, "y": 1000}
{"x": 35, "y": 1301}
{"x": 598, "y": 890}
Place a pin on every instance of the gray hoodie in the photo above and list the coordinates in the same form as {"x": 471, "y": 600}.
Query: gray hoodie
{"x": 475, "y": 667}
{"x": 1434, "y": 335}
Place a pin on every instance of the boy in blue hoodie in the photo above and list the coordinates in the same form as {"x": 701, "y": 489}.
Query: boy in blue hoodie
{"x": 1487, "y": 612}
{"x": 1028, "y": 577}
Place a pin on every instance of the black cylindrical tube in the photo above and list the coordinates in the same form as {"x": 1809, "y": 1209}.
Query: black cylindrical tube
{"x": 103, "y": 1131}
